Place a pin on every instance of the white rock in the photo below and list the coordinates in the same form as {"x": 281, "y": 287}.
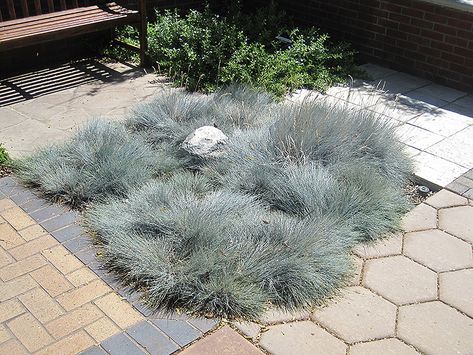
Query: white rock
{"x": 206, "y": 142}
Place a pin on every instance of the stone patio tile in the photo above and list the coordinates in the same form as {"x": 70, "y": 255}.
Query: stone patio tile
{"x": 439, "y": 91}
{"x": 456, "y": 289}
{"x": 458, "y": 221}
{"x": 4, "y": 334}
{"x": 151, "y": 339}
{"x": 6, "y": 204}
{"x": 10, "y": 309}
{"x": 203, "y": 324}
{"x": 51, "y": 280}
{"x": 32, "y": 232}
{"x": 83, "y": 294}
{"x": 68, "y": 232}
{"x": 424, "y": 96}
{"x": 223, "y": 341}
{"x": 10, "y": 117}
{"x": 120, "y": 311}
{"x": 417, "y": 137}
{"x": 23, "y": 197}
{"x": 5, "y": 258}
{"x": 73, "y": 321}
{"x": 383, "y": 247}
{"x": 29, "y": 135}
{"x": 102, "y": 329}
{"x": 17, "y": 218}
{"x": 438, "y": 250}
{"x": 401, "y": 83}
{"x": 421, "y": 217}
{"x": 275, "y": 315}
{"x": 400, "y": 280}
{"x": 445, "y": 198}
{"x": 390, "y": 346}
{"x": 249, "y": 329}
{"x": 47, "y": 212}
{"x": 16, "y": 287}
{"x": 458, "y": 148}
{"x": 120, "y": 344}
{"x": 300, "y": 338}
{"x": 401, "y": 107}
{"x": 41, "y": 305}
{"x": 95, "y": 350}
{"x": 359, "y": 315}
{"x": 442, "y": 122}
{"x": 33, "y": 247}
{"x": 34, "y": 205}
{"x": 377, "y": 72}
{"x": 79, "y": 243}
{"x": 10, "y": 237}
{"x": 62, "y": 259}
{"x": 21, "y": 267}
{"x": 435, "y": 328}
{"x": 436, "y": 170}
{"x": 179, "y": 331}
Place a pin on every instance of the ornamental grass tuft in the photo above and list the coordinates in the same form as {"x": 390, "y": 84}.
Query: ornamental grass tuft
{"x": 271, "y": 221}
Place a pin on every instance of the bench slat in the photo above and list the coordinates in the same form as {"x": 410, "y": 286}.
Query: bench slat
{"x": 67, "y": 21}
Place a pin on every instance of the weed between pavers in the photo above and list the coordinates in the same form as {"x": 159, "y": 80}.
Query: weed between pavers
{"x": 270, "y": 221}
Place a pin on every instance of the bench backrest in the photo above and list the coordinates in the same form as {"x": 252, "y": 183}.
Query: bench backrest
{"x": 16, "y": 9}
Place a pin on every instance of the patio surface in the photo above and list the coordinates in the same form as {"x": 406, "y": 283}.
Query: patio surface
{"x": 411, "y": 293}
{"x": 434, "y": 121}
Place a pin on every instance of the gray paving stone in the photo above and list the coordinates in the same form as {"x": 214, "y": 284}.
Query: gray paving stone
{"x": 440, "y": 92}
{"x": 435, "y": 169}
{"x": 78, "y": 244}
{"x": 22, "y": 197}
{"x": 34, "y": 204}
{"x": 402, "y": 83}
{"x": 88, "y": 257}
{"x": 457, "y": 187}
{"x": 47, "y": 213}
{"x": 120, "y": 344}
{"x": 377, "y": 72}
{"x": 68, "y": 233}
{"x": 442, "y": 122}
{"x": 203, "y": 324}
{"x": 60, "y": 221}
{"x": 151, "y": 339}
{"x": 7, "y": 184}
{"x": 180, "y": 331}
{"x": 457, "y": 148}
{"x": 95, "y": 350}
{"x": 417, "y": 137}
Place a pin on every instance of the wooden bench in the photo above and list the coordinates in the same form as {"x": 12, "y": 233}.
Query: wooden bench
{"x": 28, "y": 22}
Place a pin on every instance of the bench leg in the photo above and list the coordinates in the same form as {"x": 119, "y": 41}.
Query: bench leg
{"x": 143, "y": 33}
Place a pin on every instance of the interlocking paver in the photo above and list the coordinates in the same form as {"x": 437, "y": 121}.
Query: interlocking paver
{"x": 179, "y": 331}
{"x": 5, "y": 258}
{"x": 456, "y": 289}
{"x": 6, "y": 204}
{"x": 17, "y": 218}
{"x": 445, "y": 198}
{"x": 420, "y": 218}
{"x": 203, "y": 324}
{"x": 41, "y": 305}
{"x": 95, "y": 350}
{"x": 51, "y": 280}
{"x": 435, "y": 328}
{"x": 249, "y": 329}
{"x": 10, "y": 309}
{"x": 384, "y": 247}
{"x": 120, "y": 311}
{"x": 357, "y": 271}
{"x": 4, "y": 334}
{"x": 300, "y": 338}
{"x": 47, "y": 212}
{"x": 30, "y": 332}
{"x": 400, "y": 280}
{"x": 72, "y": 344}
{"x": 390, "y": 346}
{"x": 275, "y": 315}
{"x": 82, "y": 295}
{"x": 79, "y": 243}
{"x": 16, "y": 287}
{"x": 438, "y": 250}
{"x": 73, "y": 321}
{"x": 359, "y": 315}
{"x": 22, "y": 267}
{"x": 13, "y": 347}
{"x": 81, "y": 276}
{"x": 10, "y": 238}
{"x": 102, "y": 329}
{"x": 63, "y": 220}
{"x": 32, "y": 232}
{"x": 120, "y": 344}
{"x": 458, "y": 221}
{"x": 62, "y": 259}
{"x": 151, "y": 339}
{"x": 223, "y": 341}
{"x": 68, "y": 232}
{"x": 33, "y": 247}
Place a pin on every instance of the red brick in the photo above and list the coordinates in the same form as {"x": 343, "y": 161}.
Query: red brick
{"x": 412, "y": 12}
{"x": 460, "y": 42}
{"x": 429, "y": 51}
{"x": 406, "y": 44}
{"x": 399, "y": 18}
{"x": 396, "y": 34}
{"x": 435, "y": 18}
{"x": 390, "y": 7}
{"x": 445, "y": 29}
{"x": 409, "y": 29}
{"x": 421, "y": 23}
{"x": 464, "y": 25}
{"x": 453, "y": 58}
{"x": 441, "y": 46}
{"x": 465, "y": 34}
{"x": 432, "y": 34}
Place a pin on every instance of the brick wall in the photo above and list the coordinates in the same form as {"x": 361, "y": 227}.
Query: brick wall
{"x": 424, "y": 39}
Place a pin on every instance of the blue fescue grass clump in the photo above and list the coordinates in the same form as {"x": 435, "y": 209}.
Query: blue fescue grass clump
{"x": 101, "y": 159}
{"x": 270, "y": 222}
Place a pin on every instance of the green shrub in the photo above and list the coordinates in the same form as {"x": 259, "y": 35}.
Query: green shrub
{"x": 193, "y": 48}
{"x": 4, "y": 156}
